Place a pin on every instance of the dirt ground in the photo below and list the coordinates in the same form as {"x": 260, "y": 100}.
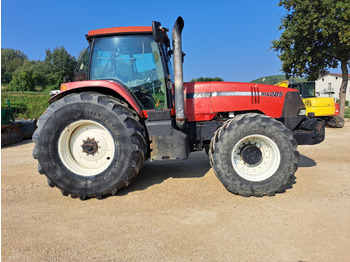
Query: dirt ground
{"x": 179, "y": 211}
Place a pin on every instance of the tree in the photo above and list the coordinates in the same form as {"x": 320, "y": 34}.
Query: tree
{"x": 316, "y": 36}
{"x": 22, "y": 77}
{"x": 39, "y": 74}
{"x": 59, "y": 64}
{"x": 10, "y": 61}
{"x": 22, "y": 81}
{"x": 207, "y": 79}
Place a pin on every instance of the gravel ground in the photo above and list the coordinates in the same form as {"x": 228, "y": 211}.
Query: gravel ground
{"x": 179, "y": 211}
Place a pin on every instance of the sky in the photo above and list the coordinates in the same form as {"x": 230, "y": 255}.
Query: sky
{"x": 227, "y": 39}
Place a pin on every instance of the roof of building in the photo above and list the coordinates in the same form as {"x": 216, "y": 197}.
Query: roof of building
{"x": 335, "y": 75}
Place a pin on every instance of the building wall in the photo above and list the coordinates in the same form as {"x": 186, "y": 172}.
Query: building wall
{"x": 329, "y": 85}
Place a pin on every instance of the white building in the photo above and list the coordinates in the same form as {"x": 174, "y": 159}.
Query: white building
{"x": 329, "y": 85}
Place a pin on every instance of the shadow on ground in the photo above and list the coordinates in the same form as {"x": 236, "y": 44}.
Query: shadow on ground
{"x": 305, "y": 161}
{"x": 152, "y": 173}
{"x": 197, "y": 165}
{"x": 14, "y": 144}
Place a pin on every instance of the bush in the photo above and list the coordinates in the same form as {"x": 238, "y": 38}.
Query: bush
{"x": 22, "y": 81}
{"x": 347, "y": 112}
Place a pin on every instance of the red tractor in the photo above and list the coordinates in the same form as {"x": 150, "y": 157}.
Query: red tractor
{"x": 126, "y": 106}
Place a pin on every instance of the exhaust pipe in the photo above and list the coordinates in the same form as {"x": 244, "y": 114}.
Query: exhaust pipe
{"x": 178, "y": 73}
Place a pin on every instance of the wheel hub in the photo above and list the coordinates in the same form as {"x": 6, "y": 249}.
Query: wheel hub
{"x": 90, "y": 146}
{"x": 86, "y": 147}
{"x": 251, "y": 154}
{"x": 255, "y": 157}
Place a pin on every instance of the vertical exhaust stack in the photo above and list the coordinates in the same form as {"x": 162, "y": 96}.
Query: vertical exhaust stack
{"x": 178, "y": 73}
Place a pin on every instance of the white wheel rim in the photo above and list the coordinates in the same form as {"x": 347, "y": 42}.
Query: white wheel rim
{"x": 266, "y": 167}
{"x": 71, "y": 151}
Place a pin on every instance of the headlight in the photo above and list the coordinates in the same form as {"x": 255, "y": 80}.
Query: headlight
{"x": 302, "y": 112}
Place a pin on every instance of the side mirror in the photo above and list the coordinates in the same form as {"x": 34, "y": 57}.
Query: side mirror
{"x": 158, "y": 31}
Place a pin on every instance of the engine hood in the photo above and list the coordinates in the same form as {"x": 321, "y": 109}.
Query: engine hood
{"x": 204, "y": 100}
{"x": 215, "y": 87}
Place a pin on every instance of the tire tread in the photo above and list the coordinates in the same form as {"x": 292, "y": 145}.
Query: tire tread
{"x": 134, "y": 128}
{"x": 217, "y": 143}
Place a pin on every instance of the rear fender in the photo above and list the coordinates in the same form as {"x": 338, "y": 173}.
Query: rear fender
{"x": 101, "y": 86}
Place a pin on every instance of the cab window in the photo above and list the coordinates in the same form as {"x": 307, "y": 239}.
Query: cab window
{"x": 135, "y": 62}
{"x": 81, "y": 71}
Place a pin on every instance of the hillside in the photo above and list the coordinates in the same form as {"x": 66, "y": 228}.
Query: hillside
{"x": 272, "y": 80}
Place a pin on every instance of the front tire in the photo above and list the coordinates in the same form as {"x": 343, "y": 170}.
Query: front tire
{"x": 89, "y": 145}
{"x": 254, "y": 155}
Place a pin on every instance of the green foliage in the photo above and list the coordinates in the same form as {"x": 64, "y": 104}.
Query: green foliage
{"x": 22, "y": 81}
{"x": 11, "y": 60}
{"x": 25, "y": 75}
{"x": 272, "y": 80}
{"x": 347, "y": 112}
{"x": 40, "y": 74}
{"x": 27, "y": 105}
{"x": 59, "y": 63}
{"x": 207, "y": 79}
{"x": 316, "y": 36}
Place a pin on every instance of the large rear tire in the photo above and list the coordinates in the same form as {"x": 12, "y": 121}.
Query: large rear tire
{"x": 254, "y": 155}
{"x": 89, "y": 145}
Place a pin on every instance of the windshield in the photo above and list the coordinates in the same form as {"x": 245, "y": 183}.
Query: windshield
{"x": 135, "y": 62}
{"x": 308, "y": 90}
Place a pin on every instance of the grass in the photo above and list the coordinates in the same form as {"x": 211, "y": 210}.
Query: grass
{"x": 26, "y": 105}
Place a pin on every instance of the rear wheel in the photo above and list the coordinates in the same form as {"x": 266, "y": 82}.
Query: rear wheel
{"x": 254, "y": 155}
{"x": 89, "y": 145}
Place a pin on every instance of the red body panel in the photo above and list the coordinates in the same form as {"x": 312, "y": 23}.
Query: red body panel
{"x": 121, "y": 90}
{"x": 121, "y": 30}
{"x": 336, "y": 109}
{"x": 204, "y": 100}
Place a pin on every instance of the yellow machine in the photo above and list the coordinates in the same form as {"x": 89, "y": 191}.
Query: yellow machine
{"x": 321, "y": 107}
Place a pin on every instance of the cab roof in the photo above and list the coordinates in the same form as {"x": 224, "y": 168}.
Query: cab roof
{"x": 120, "y": 31}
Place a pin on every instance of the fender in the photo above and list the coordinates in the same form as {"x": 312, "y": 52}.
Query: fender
{"x": 102, "y": 86}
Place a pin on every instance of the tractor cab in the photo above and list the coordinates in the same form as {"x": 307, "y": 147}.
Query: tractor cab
{"x": 306, "y": 89}
{"x": 136, "y": 61}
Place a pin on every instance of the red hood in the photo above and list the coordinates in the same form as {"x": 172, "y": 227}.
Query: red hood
{"x": 204, "y": 100}
{"x": 231, "y": 86}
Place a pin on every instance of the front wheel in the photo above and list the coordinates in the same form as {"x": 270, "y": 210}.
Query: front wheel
{"x": 89, "y": 145}
{"x": 254, "y": 155}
